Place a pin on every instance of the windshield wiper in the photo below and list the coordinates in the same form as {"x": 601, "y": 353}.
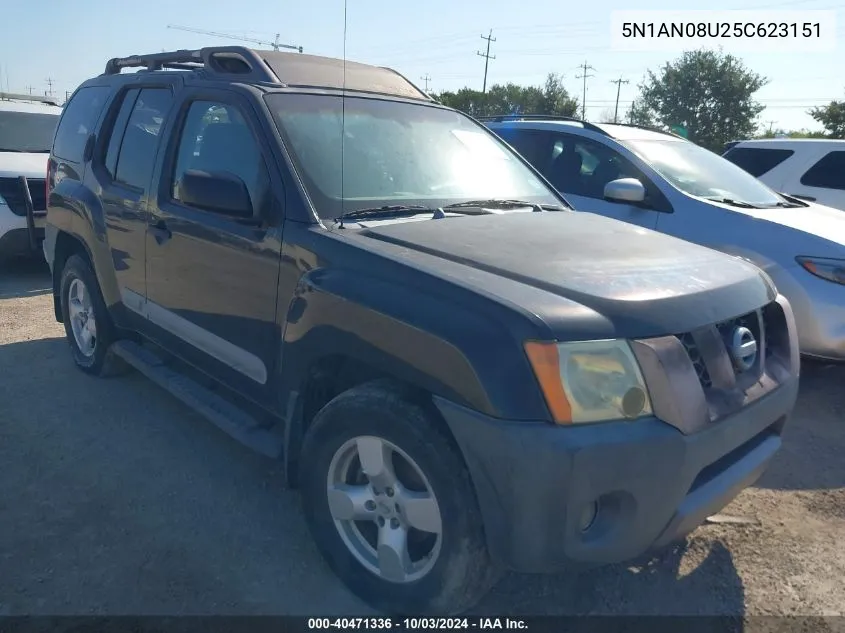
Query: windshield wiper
{"x": 497, "y": 203}
{"x": 733, "y": 203}
{"x": 387, "y": 211}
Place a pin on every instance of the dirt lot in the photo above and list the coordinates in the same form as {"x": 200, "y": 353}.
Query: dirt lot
{"x": 116, "y": 499}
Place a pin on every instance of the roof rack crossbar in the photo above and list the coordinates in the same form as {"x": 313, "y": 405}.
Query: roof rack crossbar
{"x": 542, "y": 117}
{"x": 196, "y": 59}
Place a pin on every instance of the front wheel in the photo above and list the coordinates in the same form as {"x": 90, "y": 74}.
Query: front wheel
{"x": 88, "y": 326}
{"x": 391, "y": 506}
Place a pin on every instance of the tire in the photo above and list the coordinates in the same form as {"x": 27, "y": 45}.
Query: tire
{"x": 459, "y": 571}
{"x": 97, "y": 360}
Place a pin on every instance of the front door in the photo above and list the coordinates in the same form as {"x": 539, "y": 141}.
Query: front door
{"x": 212, "y": 277}
{"x": 579, "y": 168}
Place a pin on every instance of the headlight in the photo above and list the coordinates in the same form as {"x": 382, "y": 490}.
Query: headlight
{"x": 589, "y": 381}
{"x": 830, "y": 269}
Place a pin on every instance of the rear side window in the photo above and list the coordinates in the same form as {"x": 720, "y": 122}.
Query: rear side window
{"x": 78, "y": 121}
{"x": 138, "y": 147}
{"x": 757, "y": 160}
{"x": 828, "y": 173}
{"x": 118, "y": 129}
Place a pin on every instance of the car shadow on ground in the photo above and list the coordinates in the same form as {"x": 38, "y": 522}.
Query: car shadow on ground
{"x": 662, "y": 583}
{"x": 814, "y": 439}
{"x": 24, "y": 278}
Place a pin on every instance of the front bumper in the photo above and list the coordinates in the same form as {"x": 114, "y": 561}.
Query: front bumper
{"x": 652, "y": 483}
{"x": 652, "y": 480}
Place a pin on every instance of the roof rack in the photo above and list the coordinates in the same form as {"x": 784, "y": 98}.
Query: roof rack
{"x": 11, "y": 96}
{"x": 542, "y": 117}
{"x": 227, "y": 60}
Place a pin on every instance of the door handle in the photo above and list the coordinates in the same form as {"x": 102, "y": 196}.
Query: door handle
{"x": 800, "y": 197}
{"x": 160, "y": 232}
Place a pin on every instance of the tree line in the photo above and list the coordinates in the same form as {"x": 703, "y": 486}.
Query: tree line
{"x": 706, "y": 95}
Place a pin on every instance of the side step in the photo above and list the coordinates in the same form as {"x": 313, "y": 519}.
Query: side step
{"x": 228, "y": 417}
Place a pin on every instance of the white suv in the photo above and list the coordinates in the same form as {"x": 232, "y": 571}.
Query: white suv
{"x": 810, "y": 169}
{"x": 27, "y": 125}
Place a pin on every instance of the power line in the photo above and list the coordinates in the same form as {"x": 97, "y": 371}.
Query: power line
{"x": 426, "y": 79}
{"x": 487, "y": 57}
{"x": 618, "y": 83}
{"x": 585, "y": 68}
{"x": 50, "y": 83}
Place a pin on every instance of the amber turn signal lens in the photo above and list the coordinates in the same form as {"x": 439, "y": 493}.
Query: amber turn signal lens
{"x": 545, "y": 360}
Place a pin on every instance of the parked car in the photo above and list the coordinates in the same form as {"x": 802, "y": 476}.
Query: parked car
{"x": 460, "y": 374}
{"x": 663, "y": 182}
{"x": 27, "y": 124}
{"x": 809, "y": 169}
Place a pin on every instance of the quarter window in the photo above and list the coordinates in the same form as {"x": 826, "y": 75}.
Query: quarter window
{"x": 828, "y": 173}
{"x": 78, "y": 121}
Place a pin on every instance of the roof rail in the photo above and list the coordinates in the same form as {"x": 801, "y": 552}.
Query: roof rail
{"x": 227, "y": 60}
{"x": 11, "y": 96}
{"x": 650, "y": 129}
{"x": 542, "y": 117}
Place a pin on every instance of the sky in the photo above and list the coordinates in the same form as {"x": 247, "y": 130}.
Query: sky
{"x": 67, "y": 42}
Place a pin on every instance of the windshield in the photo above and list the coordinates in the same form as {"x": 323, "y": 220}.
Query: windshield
{"x": 26, "y": 131}
{"x": 396, "y": 153}
{"x": 702, "y": 173}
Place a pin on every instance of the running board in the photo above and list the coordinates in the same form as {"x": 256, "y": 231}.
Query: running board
{"x": 225, "y": 415}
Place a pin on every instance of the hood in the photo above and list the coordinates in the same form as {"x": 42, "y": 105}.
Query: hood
{"x": 14, "y": 164}
{"x": 641, "y": 282}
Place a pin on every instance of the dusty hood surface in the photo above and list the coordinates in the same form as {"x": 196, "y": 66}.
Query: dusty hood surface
{"x": 640, "y": 280}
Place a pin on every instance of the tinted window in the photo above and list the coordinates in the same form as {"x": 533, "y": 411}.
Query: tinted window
{"x": 26, "y": 131}
{"x": 829, "y": 172}
{"x": 118, "y": 129}
{"x": 140, "y": 141}
{"x": 78, "y": 121}
{"x": 216, "y": 138}
{"x": 356, "y": 152}
{"x": 757, "y": 160}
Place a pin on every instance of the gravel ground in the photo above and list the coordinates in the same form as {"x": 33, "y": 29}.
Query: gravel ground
{"x": 116, "y": 499}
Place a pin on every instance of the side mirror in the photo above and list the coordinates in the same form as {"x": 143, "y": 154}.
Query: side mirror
{"x": 624, "y": 190}
{"x": 220, "y": 191}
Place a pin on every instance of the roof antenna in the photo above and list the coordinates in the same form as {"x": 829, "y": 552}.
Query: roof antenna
{"x": 343, "y": 118}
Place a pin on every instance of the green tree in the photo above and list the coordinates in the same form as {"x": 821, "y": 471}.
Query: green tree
{"x": 510, "y": 98}
{"x": 832, "y": 117}
{"x": 639, "y": 114}
{"x": 708, "y": 93}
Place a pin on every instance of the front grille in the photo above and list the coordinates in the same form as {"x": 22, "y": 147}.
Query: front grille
{"x": 12, "y": 192}
{"x": 768, "y": 330}
{"x": 697, "y": 361}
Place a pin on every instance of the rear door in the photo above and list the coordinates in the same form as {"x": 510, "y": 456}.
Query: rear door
{"x": 121, "y": 171}
{"x": 764, "y": 163}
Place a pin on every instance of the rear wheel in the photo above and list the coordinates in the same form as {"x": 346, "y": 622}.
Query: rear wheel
{"x": 390, "y": 504}
{"x": 88, "y": 326}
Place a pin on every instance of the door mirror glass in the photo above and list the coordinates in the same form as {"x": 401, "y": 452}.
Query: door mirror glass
{"x": 624, "y": 190}
{"x": 221, "y": 192}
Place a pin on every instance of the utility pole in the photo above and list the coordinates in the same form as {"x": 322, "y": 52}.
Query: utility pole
{"x": 50, "y": 83}
{"x": 426, "y": 79}
{"x": 30, "y": 89}
{"x": 487, "y": 56}
{"x": 585, "y": 67}
{"x": 618, "y": 83}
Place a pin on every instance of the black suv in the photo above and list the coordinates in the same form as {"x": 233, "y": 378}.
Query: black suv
{"x": 460, "y": 373}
